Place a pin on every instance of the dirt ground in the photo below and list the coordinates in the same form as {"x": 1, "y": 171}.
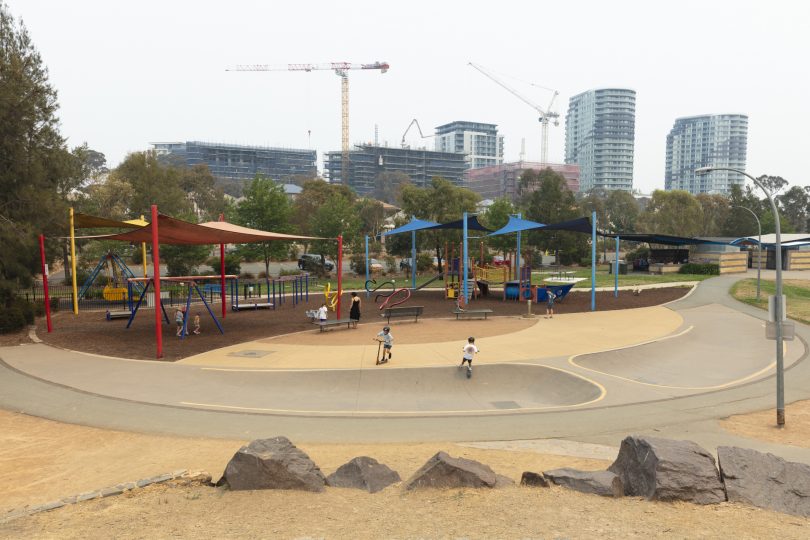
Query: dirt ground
{"x": 42, "y": 460}
{"x": 90, "y": 332}
{"x": 762, "y": 425}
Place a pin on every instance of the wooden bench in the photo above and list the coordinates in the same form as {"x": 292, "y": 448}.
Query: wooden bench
{"x": 334, "y": 322}
{"x": 471, "y": 312}
{"x": 405, "y": 311}
{"x": 254, "y": 305}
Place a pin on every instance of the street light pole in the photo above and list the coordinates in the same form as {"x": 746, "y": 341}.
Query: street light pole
{"x": 759, "y": 257}
{"x": 777, "y": 301}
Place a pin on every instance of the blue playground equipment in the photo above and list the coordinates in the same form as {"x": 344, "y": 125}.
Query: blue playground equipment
{"x": 118, "y": 273}
{"x": 276, "y": 292}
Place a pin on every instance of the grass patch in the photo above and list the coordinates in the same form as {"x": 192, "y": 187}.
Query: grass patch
{"x": 797, "y": 292}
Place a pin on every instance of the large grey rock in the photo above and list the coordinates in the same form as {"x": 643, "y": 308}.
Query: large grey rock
{"x": 668, "y": 470}
{"x": 765, "y": 480}
{"x": 444, "y": 471}
{"x": 533, "y": 479}
{"x": 363, "y": 473}
{"x": 272, "y": 464}
{"x": 604, "y": 483}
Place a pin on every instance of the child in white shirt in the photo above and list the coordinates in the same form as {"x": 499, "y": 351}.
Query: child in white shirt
{"x": 469, "y": 351}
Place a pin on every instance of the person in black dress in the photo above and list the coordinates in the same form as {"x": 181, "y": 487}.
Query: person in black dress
{"x": 354, "y": 312}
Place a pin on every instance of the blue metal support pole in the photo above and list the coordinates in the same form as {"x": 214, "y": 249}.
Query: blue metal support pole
{"x": 517, "y": 255}
{"x": 367, "y": 293}
{"x": 616, "y": 270}
{"x": 593, "y": 261}
{"x": 464, "y": 261}
{"x": 413, "y": 259}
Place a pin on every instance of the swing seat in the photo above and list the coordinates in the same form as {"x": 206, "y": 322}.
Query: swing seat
{"x": 115, "y": 294}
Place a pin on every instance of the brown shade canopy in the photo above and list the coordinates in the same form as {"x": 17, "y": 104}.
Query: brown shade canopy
{"x": 178, "y": 232}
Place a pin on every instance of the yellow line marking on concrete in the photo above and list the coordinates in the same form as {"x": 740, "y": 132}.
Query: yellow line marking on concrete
{"x": 600, "y": 397}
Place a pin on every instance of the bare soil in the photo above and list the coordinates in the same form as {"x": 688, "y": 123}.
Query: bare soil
{"x": 762, "y": 426}
{"x": 91, "y": 332}
{"x": 42, "y": 461}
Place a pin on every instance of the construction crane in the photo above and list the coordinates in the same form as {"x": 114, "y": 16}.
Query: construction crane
{"x": 340, "y": 69}
{"x": 545, "y": 114}
{"x": 414, "y": 122}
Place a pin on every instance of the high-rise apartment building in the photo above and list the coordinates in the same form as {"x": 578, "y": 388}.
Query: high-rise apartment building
{"x": 718, "y": 140}
{"x": 479, "y": 142}
{"x": 367, "y": 161}
{"x": 599, "y": 137}
{"x": 236, "y": 162}
{"x": 504, "y": 180}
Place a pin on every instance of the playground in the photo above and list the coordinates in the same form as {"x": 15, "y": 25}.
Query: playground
{"x": 90, "y": 332}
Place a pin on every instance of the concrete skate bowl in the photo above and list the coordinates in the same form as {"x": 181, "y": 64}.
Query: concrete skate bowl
{"x": 493, "y": 389}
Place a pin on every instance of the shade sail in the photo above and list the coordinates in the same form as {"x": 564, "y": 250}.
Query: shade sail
{"x": 582, "y": 225}
{"x": 86, "y": 221}
{"x": 472, "y": 225}
{"x": 666, "y": 239}
{"x": 179, "y": 232}
{"x": 414, "y": 225}
{"x": 516, "y": 224}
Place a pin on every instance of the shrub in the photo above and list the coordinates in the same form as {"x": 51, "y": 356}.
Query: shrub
{"x": 247, "y": 275}
{"x": 357, "y": 263}
{"x": 54, "y": 304}
{"x": 11, "y": 319}
{"x": 285, "y": 272}
{"x": 702, "y": 269}
{"x": 424, "y": 261}
{"x": 263, "y": 275}
{"x": 585, "y": 261}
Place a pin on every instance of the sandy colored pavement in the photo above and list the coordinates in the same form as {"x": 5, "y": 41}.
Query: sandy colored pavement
{"x": 762, "y": 425}
{"x": 439, "y": 341}
{"x": 43, "y": 460}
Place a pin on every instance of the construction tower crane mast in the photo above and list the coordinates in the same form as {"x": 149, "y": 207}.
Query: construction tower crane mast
{"x": 340, "y": 69}
{"x": 545, "y": 114}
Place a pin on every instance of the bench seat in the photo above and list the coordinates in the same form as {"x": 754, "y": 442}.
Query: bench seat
{"x": 118, "y": 315}
{"x": 407, "y": 311}
{"x": 254, "y": 305}
{"x": 334, "y": 322}
{"x": 471, "y": 313}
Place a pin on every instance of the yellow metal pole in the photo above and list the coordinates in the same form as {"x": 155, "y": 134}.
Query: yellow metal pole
{"x": 73, "y": 264}
{"x": 143, "y": 253}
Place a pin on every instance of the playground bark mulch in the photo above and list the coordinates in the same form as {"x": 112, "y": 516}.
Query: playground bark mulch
{"x": 91, "y": 332}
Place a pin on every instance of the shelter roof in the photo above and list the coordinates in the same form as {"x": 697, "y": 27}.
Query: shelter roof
{"x": 179, "y": 232}
{"x": 787, "y": 240}
{"x": 86, "y": 221}
{"x": 666, "y": 239}
{"x": 514, "y": 224}
{"x": 413, "y": 225}
{"x": 472, "y": 224}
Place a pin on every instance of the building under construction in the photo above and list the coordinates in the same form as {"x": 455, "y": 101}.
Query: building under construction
{"x": 237, "y": 162}
{"x": 366, "y": 162}
{"x": 503, "y": 180}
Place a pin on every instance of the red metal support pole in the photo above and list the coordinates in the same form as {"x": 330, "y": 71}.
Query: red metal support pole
{"x": 45, "y": 282}
{"x": 222, "y": 270}
{"x": 339, "y": 273}
{"x": 156, "y": 281}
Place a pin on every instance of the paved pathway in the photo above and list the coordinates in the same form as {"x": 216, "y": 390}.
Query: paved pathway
{"x": 706, "y": 359}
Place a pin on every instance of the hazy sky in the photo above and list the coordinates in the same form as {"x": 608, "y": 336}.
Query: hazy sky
{"x": 131, "y": 73}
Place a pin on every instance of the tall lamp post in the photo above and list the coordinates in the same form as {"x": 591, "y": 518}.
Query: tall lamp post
{"x": 759, "y": 257}
{"x": 777, "y": 301}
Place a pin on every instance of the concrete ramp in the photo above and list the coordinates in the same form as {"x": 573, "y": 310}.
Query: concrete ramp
{"x": 390, "y": 390}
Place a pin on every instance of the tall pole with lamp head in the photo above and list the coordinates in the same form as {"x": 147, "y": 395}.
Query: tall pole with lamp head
{"x": 777, "y": 301}
{"x": 759, "y": 255}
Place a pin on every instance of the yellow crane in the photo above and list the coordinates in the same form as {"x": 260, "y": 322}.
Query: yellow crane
{"x": 340, "y": 69}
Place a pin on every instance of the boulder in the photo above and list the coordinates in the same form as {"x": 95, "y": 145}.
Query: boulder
{"x": 363, "y": 473}
{"x": 668, "y": 470}
{"x": 533, "y": 479}
{"x": 444, "y": 471}
{"x": 272, "y": 464}
{"x": 604, "y": 483}
{"x": 765, "y": 480}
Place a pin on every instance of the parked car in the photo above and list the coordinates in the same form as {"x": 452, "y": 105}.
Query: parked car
{"x": 311, "y": 261}
{"x": 375, "y": 266}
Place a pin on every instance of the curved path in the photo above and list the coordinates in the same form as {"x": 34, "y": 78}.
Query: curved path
{"x": 587, "y": 376}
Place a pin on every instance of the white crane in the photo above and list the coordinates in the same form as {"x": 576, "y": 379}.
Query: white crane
{"x": 340, "y": 69}
{"x": 545, "y": 114}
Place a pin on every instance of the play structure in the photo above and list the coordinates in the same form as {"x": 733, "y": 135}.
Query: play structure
{"x": 192, "y": 286}
{"x": 276, "y": 292}
{"x": 116, "y": 289}
{"x": 403, "y": 292}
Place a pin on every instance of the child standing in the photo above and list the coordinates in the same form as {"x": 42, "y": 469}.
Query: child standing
{"x": 323, "y": 313}
{"x": 388, "y": 342}
{"x": 196, "y": 323}
{"x": 550, "y": 303}
{"x": 179, "y": 317}
{"x": 470, "y": 350}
